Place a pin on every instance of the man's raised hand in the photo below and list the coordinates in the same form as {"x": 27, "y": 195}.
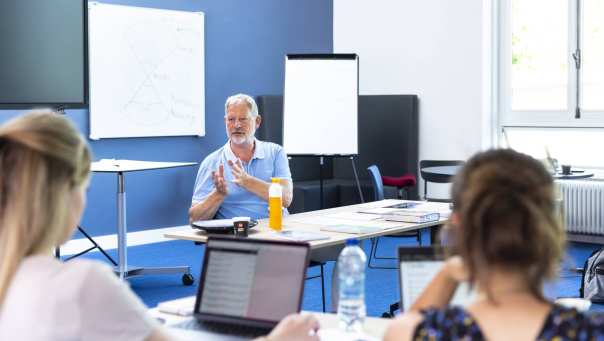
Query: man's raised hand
{"x": 239, "y": 174}
{"x": 219, "y": 182}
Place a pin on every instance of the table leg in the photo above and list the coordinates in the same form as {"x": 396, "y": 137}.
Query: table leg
{"x": 435, "y": 235}
{"x": 121, "y": 226}
{"x": 123, "y": 270}
{"x": 335, "y": 289}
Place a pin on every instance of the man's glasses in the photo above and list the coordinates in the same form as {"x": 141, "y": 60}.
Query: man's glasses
{"x": 242, "y": 120}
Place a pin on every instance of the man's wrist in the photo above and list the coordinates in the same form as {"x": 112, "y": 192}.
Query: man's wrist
{"x": 246, "y": 181}
{"x": 219, "y": 194}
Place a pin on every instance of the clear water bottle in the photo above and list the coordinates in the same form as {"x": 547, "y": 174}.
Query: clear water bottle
{"x": 351, "y": 280}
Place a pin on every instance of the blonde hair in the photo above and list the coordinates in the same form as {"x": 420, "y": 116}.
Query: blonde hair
{"x": 42, "y": 160}
{"x": 505, "y": 203}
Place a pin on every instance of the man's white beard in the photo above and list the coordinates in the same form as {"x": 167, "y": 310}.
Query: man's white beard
{"x": 236, "y": 139}
{"x": 239, "y": 139}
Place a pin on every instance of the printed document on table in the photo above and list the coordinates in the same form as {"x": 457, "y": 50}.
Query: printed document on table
{"x": 378, "y": 210}
{"x": 443, "y": 209}
{"x": 325, "y": 221}
{"x": 354, "y": 216}
{"x": 301, "y": 236}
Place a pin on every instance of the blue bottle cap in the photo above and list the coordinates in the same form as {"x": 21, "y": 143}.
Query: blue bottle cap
{"x": 352, "y": 241}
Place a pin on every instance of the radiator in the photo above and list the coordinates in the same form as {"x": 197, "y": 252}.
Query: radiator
{"x": 583, "y": 206}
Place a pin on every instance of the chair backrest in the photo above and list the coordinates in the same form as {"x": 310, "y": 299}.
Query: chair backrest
{"x": 376, "y": 179}
{"x": 445, "y": 177}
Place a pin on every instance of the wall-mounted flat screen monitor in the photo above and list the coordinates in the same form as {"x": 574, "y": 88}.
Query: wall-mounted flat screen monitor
{"x": 43, "y": 53}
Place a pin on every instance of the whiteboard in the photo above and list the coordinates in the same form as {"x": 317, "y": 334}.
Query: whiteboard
{"x": 146, "y": 72}
{"x": 320, "y": 105}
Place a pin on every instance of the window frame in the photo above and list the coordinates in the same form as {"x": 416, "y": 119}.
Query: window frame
{"x": 540, "y": 118}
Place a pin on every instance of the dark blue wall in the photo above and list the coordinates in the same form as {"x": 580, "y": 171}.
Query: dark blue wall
{"x": 245, "y": 43}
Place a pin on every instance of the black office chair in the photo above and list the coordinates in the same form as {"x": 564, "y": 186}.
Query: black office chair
{"x": 378, "y": 194}
{"x": 435, "y": 177}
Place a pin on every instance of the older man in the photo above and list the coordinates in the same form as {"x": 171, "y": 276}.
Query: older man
{"x": 233, "y": 181}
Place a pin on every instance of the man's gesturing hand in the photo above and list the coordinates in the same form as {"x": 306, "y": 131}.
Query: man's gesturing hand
{"x": 239, "y": 174}
{"x": 219, "y": 182}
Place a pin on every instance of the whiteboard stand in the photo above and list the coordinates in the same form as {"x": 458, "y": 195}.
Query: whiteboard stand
{"x": 321, "y": 91}
{"x": 321, "y": 180}
{"x": 356, "y": 178}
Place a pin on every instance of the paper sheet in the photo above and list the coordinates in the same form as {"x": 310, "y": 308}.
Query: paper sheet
{"x": 354, "y": 216}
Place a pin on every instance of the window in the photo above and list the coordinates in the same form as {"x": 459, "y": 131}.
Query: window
{"x": 560, "y": 143}
{"x": 592, "y": 51}
{"x": 539, "y": 63}
{"x": 551, "y": 78}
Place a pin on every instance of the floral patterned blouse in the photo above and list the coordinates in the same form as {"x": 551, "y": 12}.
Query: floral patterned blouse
{"x": 454, "y": 323}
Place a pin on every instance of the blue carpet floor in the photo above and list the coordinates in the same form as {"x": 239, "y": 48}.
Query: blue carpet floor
{"x": 381, "y": 285}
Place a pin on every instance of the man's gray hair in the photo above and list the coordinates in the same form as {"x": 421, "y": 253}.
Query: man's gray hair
{"x": 242, "y": 98}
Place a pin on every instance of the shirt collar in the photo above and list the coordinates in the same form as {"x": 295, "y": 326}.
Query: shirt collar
{"x": 258, "y": 150}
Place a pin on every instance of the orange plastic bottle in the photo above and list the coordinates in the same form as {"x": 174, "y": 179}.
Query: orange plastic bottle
{"x": 275, "y": 204}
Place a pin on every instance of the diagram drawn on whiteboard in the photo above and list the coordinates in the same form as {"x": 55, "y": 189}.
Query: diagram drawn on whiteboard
{"x": 146, "y": 72}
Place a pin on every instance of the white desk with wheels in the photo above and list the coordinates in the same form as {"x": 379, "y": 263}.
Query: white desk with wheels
{"x": 120, "y": 167}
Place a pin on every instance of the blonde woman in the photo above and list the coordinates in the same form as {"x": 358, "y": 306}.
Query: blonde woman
{"x": 509, "y": 241}
{"x": 44, "y": 171}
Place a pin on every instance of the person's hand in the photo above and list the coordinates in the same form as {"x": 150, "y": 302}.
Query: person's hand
{"x": 219, "y": 182}
{"x": 295, "y": 328}
{"x": 239, "y": 174}
{"x": 456, "y": 269}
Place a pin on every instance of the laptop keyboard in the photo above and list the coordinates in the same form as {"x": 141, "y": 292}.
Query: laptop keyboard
{"x": 222, "y": 328}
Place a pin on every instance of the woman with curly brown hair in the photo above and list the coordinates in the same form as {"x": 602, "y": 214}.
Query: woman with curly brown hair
{"x": 507, "y": 240}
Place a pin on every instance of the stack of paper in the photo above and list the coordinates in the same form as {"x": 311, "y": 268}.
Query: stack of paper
{"x": 443, "y": 209}
{"x": 412, "y": 216}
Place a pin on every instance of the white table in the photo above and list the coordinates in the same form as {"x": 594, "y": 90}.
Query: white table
{"x": 312, "y": 222}
{"x": 120, "y": 167}
{"x": 373, "y": 327}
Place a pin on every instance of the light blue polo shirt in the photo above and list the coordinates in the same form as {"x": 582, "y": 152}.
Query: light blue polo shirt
{"x": 269, "y": 160}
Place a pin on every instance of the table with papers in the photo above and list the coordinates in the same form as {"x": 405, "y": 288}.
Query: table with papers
{"x": 336, "y": 224}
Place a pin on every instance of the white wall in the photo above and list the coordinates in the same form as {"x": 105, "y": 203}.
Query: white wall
{"x": 432, "y": 48}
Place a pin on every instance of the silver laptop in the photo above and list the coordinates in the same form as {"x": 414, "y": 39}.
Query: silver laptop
{"x": 247, "y": 286}
{"x": 417, "y": 267}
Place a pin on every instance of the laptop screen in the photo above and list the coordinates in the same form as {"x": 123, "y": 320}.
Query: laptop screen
{"x": 417, "y": 267}
{"x": 251, "y": 279}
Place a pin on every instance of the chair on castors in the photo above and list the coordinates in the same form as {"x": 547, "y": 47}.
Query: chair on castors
{"x": 403, "y": 183}
{"x": 436, "y": 178}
